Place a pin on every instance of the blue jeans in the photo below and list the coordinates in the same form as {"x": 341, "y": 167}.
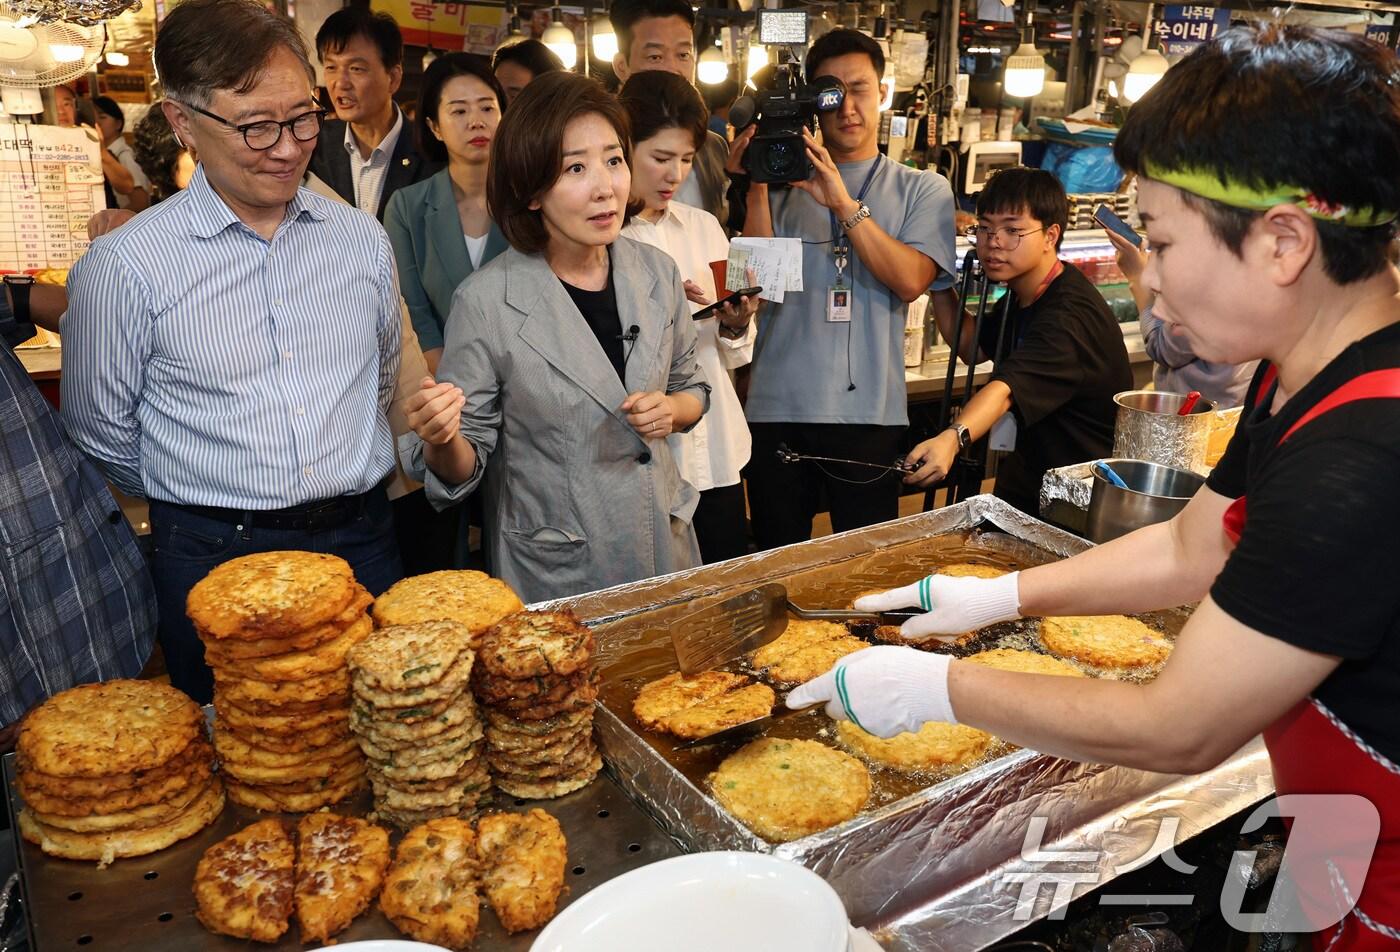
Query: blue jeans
{"x": 187, "y": 546}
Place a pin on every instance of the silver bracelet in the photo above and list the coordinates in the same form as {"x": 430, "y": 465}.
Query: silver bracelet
{"x": 862, "y": 213}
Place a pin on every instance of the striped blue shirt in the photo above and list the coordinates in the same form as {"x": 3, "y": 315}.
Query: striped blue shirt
{"x": 205, "y": 365}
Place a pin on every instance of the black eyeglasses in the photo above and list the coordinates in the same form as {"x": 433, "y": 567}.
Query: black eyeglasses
{"x": 261, "y": 136}
{"x": 1007, "y": 239}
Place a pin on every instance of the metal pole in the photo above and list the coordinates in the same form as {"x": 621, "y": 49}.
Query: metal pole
{"x": 1072, "y": 68}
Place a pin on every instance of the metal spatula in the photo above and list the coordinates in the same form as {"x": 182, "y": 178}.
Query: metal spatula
{"x": 736, "y": 626}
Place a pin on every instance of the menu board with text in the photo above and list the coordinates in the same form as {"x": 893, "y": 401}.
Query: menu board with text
{"x": 50, "y": 185}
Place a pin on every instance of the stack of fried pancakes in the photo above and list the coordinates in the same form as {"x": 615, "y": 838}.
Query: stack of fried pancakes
{"x": 116, "y": 769}
{"x": 416, "y": 721}
{"x": 536, "y": 683}
{"x": 276, "y": 628}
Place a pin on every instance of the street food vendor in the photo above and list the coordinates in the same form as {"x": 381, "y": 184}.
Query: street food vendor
{"x": 1266, "y": 163}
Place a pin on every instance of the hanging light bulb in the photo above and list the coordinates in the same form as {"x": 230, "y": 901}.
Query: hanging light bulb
{"x": 604, "y": 39}
{"x": 758, "y": 58}
{"x": 430, "y": 56}
{"x": 115, "y": 58}
{"x": 1025, "y": 68}
{"x": 712, "y": 69}
{"x": 561, "y": 40}
{"x": 515, "y": 34}
{"x": 1143, "y": 73}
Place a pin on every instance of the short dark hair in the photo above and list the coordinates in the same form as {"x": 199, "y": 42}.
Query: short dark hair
{"x": 625, "y": 13}
{"x": 1235, "y": 107}
{"x": 345, "y": 24}
{"x": 207, "y": 45}
{"x": 445, "y": 67}
{"x": 839, "y": 42}
{"x": 157, "y": 152}
{"x": 531, "y": 54}
{"x": 108, "y": 107}
{"x": 527, "y": 155}
{"x": 657, "y": 100}
{"x": 1033, "y": 191}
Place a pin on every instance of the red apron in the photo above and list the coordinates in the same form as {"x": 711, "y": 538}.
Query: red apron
{"x": 1314, "y": 752}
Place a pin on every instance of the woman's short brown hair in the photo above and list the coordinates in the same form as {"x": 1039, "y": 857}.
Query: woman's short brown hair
{"x": 527, "y": 154}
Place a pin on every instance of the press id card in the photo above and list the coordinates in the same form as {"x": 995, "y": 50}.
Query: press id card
{"x": 838, "y": 305}
{"x": 1002, "y": 437}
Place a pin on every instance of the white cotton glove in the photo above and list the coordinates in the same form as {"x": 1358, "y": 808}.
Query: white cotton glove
{"x": 954, "y": 605}
{"x": 885, "y": 690}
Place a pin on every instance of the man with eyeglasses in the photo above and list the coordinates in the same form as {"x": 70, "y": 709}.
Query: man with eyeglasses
{"x": 1050, "y": 397}
{"x": 230, "y": 354}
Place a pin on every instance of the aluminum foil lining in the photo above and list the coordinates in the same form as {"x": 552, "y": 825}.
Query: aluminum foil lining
{"x": 1067, "y": 486}
{"x": 927, "y": 871}
{"x": 1180, "y": 441}
{"x": 82, "y": 12}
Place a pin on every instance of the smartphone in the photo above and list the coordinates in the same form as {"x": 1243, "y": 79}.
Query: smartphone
{"x": 709, "y": 309}
{"x": 1106, "y": 217}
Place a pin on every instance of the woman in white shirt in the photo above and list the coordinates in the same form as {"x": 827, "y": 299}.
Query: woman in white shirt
{"x": 668, "y": 126}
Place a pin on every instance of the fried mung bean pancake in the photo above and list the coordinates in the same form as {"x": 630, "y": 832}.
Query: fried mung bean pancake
{"x": 299, "y": 665}
{"x": 401, "y": 658}
{"x": 728, "y": 710}
{"x": 472, "y": 599}
{"x": 243, "y": 883}
{"x": 798, "y": 634}
{"x": 556, "y": 787}
{"x": 115, "y": 727}
{"x": 540, "y": 690}
{"x": 430, "y": 890}
{"x": 810, "y": 661}
{"x": 118, "y": 801}
{"x": 232, "y": 748}
{"x": 536, "y": 644}
{"x": 932, "y": 746}
{"x": 340, "y": 866}
{"x": 301, "y": 770}
{"x": 273, "y": 799}
{"x": 1025, "y": 662}
{"x": 430, "y": 752}
{"x": 1108, "y": 641}
{"x": 282, "y": 725}
{"x": 284, "y": 696}
{"x": 106, "y": 847}
{"x": 183, "y": 765}
{"x": 390, "y": 733}
{"x": 970, "y": 570}
{"x": 672, "y": 694}
{"x": 787, "y": 789}
{"x": 136, "y": 818}
{"x": 522, "y": 866}
{"x": 313, "y": 739}
{"x": 270, "y": 595}
{"x": 254, "y": 649}
{"x": 502, "y": 722}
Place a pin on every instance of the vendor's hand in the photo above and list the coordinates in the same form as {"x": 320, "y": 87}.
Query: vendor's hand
{"x": 885, "y": 690}
{"x": 650, "y": 414}
{"x": 825, "y": 185}
{"x": 953, "y": 605}
{"x": 694, "y": 293}
{"x": 932, "y": 459}
{"x": 734, "y": 165}
{"x": 1131, "y": 258}
{"x": 435, "y": 411}
{"x": 109, "y": 219}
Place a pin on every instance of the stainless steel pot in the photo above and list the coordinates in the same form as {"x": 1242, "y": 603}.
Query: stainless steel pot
{"x": 1155, "y": 493}
{"x": 1147, "y": 427}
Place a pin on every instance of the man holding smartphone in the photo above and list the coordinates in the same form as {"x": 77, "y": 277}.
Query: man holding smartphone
{"x": 1050, "y": 400}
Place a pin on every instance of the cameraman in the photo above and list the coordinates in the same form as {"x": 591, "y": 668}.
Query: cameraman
{"x": 828, "y": 380}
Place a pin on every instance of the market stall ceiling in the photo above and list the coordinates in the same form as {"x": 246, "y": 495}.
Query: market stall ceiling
{"x": 133, "y": 32}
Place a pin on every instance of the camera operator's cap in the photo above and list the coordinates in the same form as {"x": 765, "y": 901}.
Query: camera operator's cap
{"x": 1206, "y": 183}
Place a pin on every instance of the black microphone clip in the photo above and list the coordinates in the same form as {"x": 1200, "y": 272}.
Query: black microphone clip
{"x": 632, "y": 334}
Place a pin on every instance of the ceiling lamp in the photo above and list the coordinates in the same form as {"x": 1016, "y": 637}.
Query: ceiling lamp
{"x": 1143, "y": 73}
{"x": 1025, "y": 68}
{"x": 115, "y": 58}
{"x": 515, "y": 34}
{"x": 758, "y": 58}
{"x": 561, "y": 40}
{"x": 712, "y": 68}
{"x": 604, "y": 39}
{"x": 430, "y": 56}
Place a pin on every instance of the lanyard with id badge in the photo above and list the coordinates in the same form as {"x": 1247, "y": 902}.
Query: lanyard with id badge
{"x": 838, "y": 296}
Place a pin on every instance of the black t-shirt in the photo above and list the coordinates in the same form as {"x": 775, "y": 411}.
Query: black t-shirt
{"x": 1317, "y": 565}
{"x": 1064, "y": 360}
{"x": 599, "y": 309}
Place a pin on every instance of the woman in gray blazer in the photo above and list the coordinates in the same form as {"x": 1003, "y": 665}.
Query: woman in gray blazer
{"x": 440, "y": 228}
{"x": 568, "y": 361}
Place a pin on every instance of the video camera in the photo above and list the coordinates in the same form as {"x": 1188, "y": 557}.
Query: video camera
{"x": 777, "y": 153}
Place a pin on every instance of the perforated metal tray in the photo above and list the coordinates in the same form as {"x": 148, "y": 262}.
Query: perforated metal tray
{"x": 147, "y": 904}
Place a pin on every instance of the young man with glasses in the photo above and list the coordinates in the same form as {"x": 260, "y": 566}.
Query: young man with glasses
{"x": 1062, "y": 359}
{"x": 230, "y": 354}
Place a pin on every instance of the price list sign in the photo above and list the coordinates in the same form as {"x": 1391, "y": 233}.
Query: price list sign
{"x": 50, "y": 185}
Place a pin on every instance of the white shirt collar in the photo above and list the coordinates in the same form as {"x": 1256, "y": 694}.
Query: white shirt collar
{"x": 386, "y": 145}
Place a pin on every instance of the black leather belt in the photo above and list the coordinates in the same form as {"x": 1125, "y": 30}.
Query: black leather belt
{"x": 307, "y": 517}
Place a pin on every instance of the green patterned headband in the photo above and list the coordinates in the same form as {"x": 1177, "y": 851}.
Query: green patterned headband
{"x": 1209, "y": 185}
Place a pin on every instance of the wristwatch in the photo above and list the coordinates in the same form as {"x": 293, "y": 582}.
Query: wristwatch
{"x": 19, "y": 285}
{"x": 862, "y": 213}
{"x": 964, "y": 437}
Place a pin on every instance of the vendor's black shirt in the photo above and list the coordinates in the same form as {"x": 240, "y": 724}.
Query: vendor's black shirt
{"x": 599, "y": 309}
{"x": 1318, "y": 563}
{"x": 1064, "y": 360}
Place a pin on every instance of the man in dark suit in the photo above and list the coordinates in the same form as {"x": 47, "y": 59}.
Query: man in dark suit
{"x": 368, "y": 151}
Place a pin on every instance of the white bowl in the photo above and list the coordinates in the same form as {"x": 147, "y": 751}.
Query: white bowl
{"x": 703, "y": 902}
